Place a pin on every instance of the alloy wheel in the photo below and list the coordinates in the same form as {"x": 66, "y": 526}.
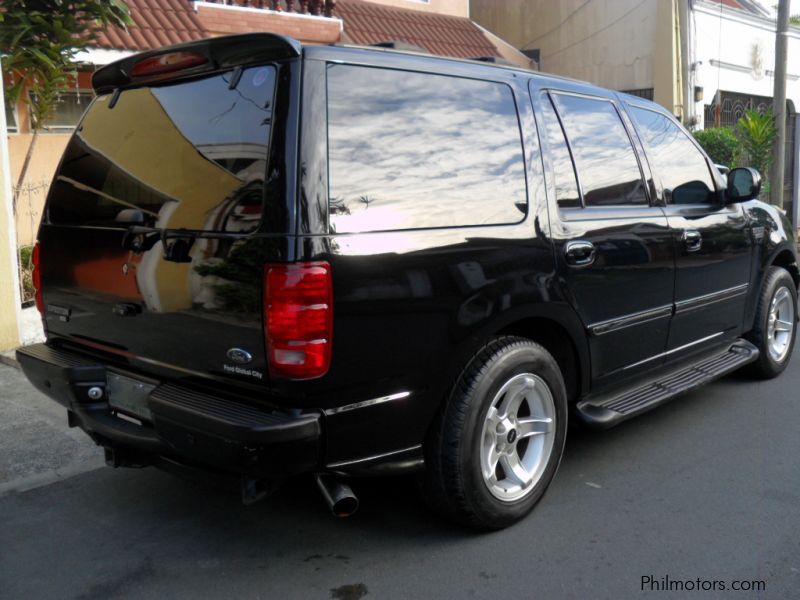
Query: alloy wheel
{"x": 780, "y": 324}
{"x": 517, "y": 438}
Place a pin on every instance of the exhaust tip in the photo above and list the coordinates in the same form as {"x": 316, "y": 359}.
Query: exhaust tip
{"x": 345, "y": 507}
{"x": 339, "y": 497}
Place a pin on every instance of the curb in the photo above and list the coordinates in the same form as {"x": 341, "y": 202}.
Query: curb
{"x": 8, "y": 358}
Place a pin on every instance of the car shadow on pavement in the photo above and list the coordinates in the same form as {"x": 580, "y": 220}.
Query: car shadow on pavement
{"x": 146, "y": 533}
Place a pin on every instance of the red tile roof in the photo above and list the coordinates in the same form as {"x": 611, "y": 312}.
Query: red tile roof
{"x": 368, "y": 23}
{"x": 164, "y": 22}
{"x": 155, "y": 23}
{"x": 730, "y": 3}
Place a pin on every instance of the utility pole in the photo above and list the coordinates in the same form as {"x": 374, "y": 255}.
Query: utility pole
{"x": 779, "y": 105}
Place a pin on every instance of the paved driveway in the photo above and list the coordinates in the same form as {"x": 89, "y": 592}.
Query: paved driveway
{"x": 706, "y": 487}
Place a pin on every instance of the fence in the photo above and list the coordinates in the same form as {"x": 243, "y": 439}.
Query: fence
{"x": 306, "y": 7}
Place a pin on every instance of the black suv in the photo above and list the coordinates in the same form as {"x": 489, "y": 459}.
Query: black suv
{"x": 260, "y": 260}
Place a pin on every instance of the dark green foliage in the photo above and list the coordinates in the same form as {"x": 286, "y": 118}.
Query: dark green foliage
{"x": 39, "y": 39}
{"x": 26, "y": 273}
{"x": 756, "y": 133}
{"x": 720, "y": 143}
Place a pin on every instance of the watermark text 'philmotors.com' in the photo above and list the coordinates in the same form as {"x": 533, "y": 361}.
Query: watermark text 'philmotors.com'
{"x": 651, "y": 583}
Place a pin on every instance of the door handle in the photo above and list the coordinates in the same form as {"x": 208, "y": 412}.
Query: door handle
{"x": 579, "y": 253}
{"x": 692, "y": 240}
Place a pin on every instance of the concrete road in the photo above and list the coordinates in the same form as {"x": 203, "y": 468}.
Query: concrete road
{"x": 707, "y": 487}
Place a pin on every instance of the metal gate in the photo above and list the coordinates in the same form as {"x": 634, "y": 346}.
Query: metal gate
{"x": 733, "y": 106}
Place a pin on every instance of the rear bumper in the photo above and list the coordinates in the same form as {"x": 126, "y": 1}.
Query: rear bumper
{"x": 187, "y": 426}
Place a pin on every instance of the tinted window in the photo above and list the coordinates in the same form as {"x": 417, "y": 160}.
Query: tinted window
{"x": 412, "y": 150}
{"x": 682, "y": 167}
{"x": 604, "y": 157}
{"x": 189, "y": 155}
{"x": 566, "y": 185}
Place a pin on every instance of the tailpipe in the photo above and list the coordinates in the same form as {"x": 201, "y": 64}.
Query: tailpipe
{"x": 339, "y": 497}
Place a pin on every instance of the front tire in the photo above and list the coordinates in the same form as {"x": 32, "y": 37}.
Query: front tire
{"x": 497, "y": 442}
{"x": 775, "y": 326}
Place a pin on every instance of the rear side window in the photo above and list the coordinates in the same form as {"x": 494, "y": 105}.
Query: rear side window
{"x": 566, "y": 185}
{"x": 415, "y": 150}
{"x": 186, "y": 155}
{"x": 681, "y": 166}
{"x": 606, "y": 162}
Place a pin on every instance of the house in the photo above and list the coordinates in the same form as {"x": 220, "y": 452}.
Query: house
{"x": 731, "y": 67}
{"x": 438, "y": 26}
{"x": 706, "y": 61}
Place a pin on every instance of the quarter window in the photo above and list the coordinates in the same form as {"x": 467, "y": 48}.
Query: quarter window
{"x": 682, "y": 167}
{"x": 605, "y": 160}
{"x": 415, "y": 150}
{"x": 566, "y": 185}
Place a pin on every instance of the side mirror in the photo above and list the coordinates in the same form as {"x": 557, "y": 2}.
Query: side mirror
{"x": 723, "y": 169}
{"x": 744, "y": 183}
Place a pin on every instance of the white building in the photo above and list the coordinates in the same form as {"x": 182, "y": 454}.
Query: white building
{"x": 731, "y": 56}
{"x": 679, "y": 53}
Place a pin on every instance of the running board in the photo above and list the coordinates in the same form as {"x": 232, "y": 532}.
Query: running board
{"x": 609, "y": 410}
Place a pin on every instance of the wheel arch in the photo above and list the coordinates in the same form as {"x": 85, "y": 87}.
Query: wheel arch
{"x": 555, "y": 326}
{"x": 557, "y": 340}
{"x": 786, "y": 259}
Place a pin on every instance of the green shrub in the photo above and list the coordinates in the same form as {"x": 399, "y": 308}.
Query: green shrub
{"x": 26, "y": 273}
{"x": 756, "y": 134}
{"x": 720, "y": 143}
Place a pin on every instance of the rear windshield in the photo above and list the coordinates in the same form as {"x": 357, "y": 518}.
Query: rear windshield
{"x": 187, "y": 155}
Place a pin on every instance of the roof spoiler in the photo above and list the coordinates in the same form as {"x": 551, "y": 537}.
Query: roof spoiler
{"x": 216, "y": 54}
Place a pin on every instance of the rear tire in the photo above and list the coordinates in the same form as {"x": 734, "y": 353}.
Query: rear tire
{"x": 775, "y": 326}
{"x": 498, "y": 439}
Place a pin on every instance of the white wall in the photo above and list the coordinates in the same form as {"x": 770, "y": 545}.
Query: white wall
{"x": 737, "y": 54}
{"x": 730, "y": 61}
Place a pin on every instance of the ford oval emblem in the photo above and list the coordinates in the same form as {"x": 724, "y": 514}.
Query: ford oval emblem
{"x": 239, "y": 356}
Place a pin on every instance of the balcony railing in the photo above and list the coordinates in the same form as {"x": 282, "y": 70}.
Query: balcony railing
{"x": 302, "y": 7}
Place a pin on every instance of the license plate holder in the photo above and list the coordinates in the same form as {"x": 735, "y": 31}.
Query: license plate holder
{"x": 129, "y": 395}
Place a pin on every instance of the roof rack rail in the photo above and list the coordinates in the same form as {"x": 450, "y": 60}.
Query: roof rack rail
{"x": 498, "y": 60}
{"x": 400, "y": 45}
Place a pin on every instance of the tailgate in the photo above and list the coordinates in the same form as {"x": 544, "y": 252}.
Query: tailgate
{"x": 153, "y": 243}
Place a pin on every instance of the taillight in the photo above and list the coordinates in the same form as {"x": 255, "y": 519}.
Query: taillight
{"x": 298, "y": 318}
{"x": 168, "y": 63}
{"x": 36, "y": 276}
